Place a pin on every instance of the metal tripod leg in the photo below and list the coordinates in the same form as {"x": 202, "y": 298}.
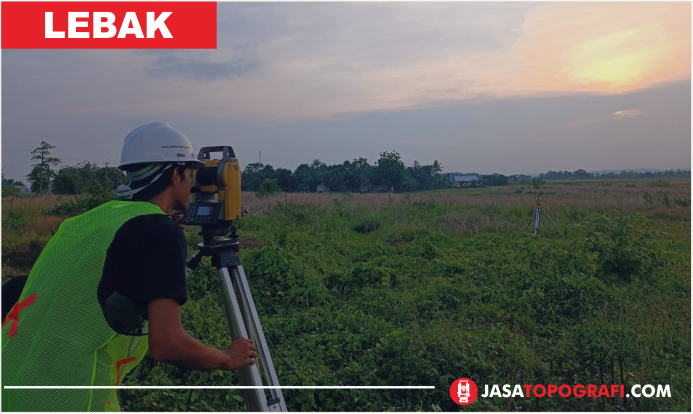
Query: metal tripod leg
{"x": 530, "y": 221}
{"x": 255, "y": 400}
{"x": 554, "y": 224}
{"x": 253, "y": 322}
{"x": 244, "y": 321}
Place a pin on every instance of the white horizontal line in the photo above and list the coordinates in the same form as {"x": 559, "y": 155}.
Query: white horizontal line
{"x": 220, "y": 387}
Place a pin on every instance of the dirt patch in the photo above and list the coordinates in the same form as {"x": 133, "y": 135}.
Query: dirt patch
{"x": 249, "y": 243}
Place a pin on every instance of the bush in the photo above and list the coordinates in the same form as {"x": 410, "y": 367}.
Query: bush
{"x": 81, "y": 205}
{"x": 267, "y": 188}
{"x": 11, "y": 191}
{"x": 367, "y": 226}
{"x": 14, "y": 221}
{"x": 659, "y": 183}
{"x": 537, "y": 183}
{"x": 649, "y": 198}
{"x": 683, "y": 202}
{"x": 666, "y": 202}
{"x": 621, "y": 246}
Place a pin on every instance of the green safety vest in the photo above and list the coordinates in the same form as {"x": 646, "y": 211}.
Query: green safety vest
{"x": 56, "y": 334}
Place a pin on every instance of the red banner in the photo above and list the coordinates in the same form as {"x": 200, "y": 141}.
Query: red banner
{"x": 109, "y": 25}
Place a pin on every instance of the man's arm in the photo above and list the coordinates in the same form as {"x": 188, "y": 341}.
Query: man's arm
{"x": 170, "y": 343}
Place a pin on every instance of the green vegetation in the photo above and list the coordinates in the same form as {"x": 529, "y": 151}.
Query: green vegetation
{"x": 268, "y": 187}
{"x": 10, "y": 187}
{"x": 42, "y": 174}
{"x": 423, "y": 289}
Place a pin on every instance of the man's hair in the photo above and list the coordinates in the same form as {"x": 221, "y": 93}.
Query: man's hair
{"x": 160, "y": 184}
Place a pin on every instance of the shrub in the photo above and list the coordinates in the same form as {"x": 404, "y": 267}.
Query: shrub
{"x": 666, "y": 202}
{"x": 14, "y": 221}
{"x": 11, "y": 191}
{"x": 683, "y": 202}
{"x": 537, "y": 183}
{"x": 659, "y": 183}
{"x": 649, "y": 198}
{"x": 267, "y": 188}
{"x": 621, "y": 245}
{"x": 367, "y": 226}
{"x": 95, "y": 196}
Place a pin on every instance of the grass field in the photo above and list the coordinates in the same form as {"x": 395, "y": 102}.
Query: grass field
{"x": 421, "y": 289}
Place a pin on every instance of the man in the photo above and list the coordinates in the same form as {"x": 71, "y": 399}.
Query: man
{"x": 108, "y": 286}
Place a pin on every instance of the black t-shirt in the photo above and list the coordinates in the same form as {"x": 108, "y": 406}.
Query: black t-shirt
{"x": 146, "y": 261}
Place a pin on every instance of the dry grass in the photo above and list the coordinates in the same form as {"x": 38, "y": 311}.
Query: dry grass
{"x": 623, "y": 196}
{"x": 32, "y": 204}
{"x": 25, "y": 230}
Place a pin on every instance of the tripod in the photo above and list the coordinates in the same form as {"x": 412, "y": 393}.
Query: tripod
{"x": 241, "y": 315}
{"x": 537, "y": 212}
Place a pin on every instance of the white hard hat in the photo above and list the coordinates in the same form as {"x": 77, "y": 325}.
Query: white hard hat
{"x": 158, "y": 142}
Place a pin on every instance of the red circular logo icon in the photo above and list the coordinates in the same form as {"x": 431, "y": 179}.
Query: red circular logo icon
{"x": 463, "y": 391}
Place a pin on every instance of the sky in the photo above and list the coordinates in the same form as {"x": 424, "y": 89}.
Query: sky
{"x": 481, "y": 87}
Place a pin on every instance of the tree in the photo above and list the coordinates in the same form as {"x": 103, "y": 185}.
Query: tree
{"x": 495, "y": 179}
{"x": 42, "y": 173}
{"x": 390, "y": 170}
{"x": 437, "y": 167}
{"x": 537, "y": 183}
{"x": 302, "y": 175}
{"x": 10, "y": 187}
{"x": 268, "y": 188}
{"x": 67, "y": 182}
{"x": 110, "y": 177}
{"x": 581, "y": 175}
{"x": 251, "y": 177}
{"x": 284, "y": 179}
{"x": 361, "y": 169}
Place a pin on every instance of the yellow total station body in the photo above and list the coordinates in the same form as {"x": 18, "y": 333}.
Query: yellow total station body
{"x": 219, "y": 181}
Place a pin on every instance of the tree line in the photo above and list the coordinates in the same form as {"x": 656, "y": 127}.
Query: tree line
{"x": 622, "y": 175}
{"x": 84, "y": 178}
{"x": 387, "y": 173}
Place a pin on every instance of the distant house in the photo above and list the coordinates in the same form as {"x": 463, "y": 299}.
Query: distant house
{"x": 322, "y": 188}
{"x": 461, "y": 180}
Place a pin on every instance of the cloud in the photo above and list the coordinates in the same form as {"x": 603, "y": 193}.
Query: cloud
{"x": 626, "y": 114}
{"x": 594, "y": 120}
{"x": 295, "y": 61}
{"x": 198, "y": 69}
{"x": 605, "y": 47}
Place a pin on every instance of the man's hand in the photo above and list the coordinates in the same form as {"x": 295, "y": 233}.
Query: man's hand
{"x": 169, "y": 342}
{"x": 240, "y": 352}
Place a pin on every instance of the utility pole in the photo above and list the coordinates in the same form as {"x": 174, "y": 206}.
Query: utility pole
{"x": 107, "y": 162}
